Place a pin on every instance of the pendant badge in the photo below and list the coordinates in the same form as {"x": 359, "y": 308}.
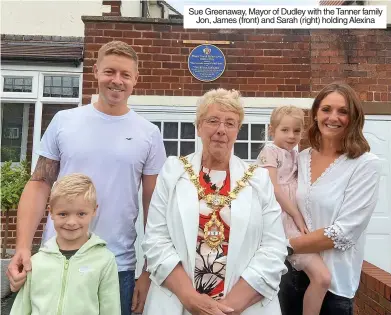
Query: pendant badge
{"x": 214, "y": 231}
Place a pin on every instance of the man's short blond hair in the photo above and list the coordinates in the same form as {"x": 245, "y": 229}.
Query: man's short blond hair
{"x": 229, "y": 100}
{"x": 72, "y": 186}
{"x": 118, "y": 48}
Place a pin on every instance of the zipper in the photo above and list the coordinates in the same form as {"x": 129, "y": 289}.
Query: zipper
{"x": 64, "y": 283}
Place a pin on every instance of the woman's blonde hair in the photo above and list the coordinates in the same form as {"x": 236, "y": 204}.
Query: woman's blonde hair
{"x": 354, "y": 143}
{"x": 229, "y": 100}
{"x": 281, "y": 111}
{"x": 117, "y": 48}
{"x": 72, "y": 186}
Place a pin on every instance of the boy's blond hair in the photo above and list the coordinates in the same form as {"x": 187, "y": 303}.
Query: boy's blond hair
{"x": 72, "y": 186}
{"x": 281, "y": 111}
{"x": 117, "y": 48}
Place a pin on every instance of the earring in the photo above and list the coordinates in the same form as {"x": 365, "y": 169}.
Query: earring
{"x": 316, "y": 119}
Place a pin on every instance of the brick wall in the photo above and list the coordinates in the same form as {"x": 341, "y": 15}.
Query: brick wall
{"x": 11, "y": 241}
{"x": 374, "y": 294}
{"x": 115, "y": 6}
{"x": 260, "y": 63}
{"x": 360, "y": 57}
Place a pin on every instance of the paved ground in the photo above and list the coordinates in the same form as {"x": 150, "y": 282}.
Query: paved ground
{"x": 6, "y": 304}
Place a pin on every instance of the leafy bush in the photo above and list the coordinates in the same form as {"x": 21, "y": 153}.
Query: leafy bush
{"x": 13, "y": 180}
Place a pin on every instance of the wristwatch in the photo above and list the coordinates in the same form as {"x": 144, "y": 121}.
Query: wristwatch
{"x": 289, "y": 248}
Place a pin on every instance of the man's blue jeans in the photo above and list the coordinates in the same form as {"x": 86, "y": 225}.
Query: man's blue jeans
{"x": 126, "y": 287}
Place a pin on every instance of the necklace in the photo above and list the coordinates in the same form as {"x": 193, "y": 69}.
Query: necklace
{"x": 206, "y": 179}
{"x": 214, "y": 228}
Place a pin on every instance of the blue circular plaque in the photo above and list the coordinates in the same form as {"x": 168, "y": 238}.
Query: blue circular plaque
{"x": 206, "y": 63}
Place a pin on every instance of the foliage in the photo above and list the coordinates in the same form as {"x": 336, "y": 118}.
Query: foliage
{"x": 13, "y": 179}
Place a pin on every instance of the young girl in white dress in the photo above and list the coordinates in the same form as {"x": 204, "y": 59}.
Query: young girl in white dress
{"x": 280, "y": 158}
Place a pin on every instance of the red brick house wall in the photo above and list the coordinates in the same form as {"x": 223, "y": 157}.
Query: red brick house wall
{"x": 260, "y": 63}
{"x": 374, "y": 294}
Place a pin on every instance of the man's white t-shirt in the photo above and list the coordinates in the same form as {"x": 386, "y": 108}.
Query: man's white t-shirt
{"x": 114, "y": 151}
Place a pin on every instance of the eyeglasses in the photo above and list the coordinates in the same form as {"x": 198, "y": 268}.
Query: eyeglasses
{"x": 215, "y": 123}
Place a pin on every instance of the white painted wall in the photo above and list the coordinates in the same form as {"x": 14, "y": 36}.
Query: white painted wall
{"x": 60, "y": 17}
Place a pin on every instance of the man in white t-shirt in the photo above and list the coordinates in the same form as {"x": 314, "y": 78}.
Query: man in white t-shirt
{"x": 114, "y": 146}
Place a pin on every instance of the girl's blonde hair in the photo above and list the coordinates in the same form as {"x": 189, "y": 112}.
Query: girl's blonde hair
{"x": 72, "y": 186}
{"x": 279, "y": 113}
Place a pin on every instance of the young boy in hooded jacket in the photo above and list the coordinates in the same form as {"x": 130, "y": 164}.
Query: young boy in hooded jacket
{"x": 73, "y": 273}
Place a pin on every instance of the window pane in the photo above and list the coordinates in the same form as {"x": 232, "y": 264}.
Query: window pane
{"x": 56, "y": 92}
{"x": 170, "y": 130}
{"x": 255, "y": 149}
{"x": 258, "y": 132}
{"x": 67, "y": 91}
{"x": 17, "y": 88}
{"x": 158, "y": 123}
{"x": 48, "y": 81}
{"x": 171, "y": 148}
{"x": 7, "y": 88}
{"x": 11, "y": 135}
{"x": 187, "y": 131}
{"x": 241, "y": 150}
{"x": 18, "y": 84}
{"x": 75, "y": 81}
{"x": 28, "y": 81}
{"x": 67, "y": 82}
{"x": 187, "y": 147}
{"x": 75, "y": 92}
{"x": 61, "y": 86}
{"x": 56, "y": 81}
{"x": 243, "y": 132}
{"x": 46, "y": 92}
{"x": 18, "y": 81}
{"x": 27, "y": 88}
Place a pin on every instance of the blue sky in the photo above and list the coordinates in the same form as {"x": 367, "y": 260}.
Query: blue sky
{"x": 178, "y": 5}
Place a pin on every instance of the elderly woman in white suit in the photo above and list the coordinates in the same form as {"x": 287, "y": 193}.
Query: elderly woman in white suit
{"x": 214, "y": 240}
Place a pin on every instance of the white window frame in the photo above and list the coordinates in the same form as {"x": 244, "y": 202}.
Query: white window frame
{"x": 25, "y": 127}
{"x": 250, "y": 141}
{"x": 64, "y": 100}
{"x": 36, "y": 97}
{"x": 20, "y": 74}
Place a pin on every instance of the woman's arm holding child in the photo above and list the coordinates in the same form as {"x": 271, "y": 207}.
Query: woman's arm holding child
{"x": 285, "y": 203}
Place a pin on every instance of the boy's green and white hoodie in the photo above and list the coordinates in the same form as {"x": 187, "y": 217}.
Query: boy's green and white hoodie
{"x": 87, "y": 283}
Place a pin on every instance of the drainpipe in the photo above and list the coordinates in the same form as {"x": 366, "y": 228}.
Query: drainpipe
{"x": 143, "y": 8}
{"x": 161, "y": 5}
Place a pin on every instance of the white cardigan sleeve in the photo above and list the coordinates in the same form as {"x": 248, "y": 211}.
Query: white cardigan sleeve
{"x": 157, "y": 245}
{"x": 358, "y": 205}
{"x": 267, "y": 266}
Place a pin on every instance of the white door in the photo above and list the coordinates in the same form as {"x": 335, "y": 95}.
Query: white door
{"x": 378, "y": 242}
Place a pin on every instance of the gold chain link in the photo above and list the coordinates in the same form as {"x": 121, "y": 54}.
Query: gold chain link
{"x": 213, "y": 200}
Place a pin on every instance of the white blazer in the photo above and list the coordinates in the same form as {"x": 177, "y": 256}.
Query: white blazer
{"x": 257, "y": 247}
